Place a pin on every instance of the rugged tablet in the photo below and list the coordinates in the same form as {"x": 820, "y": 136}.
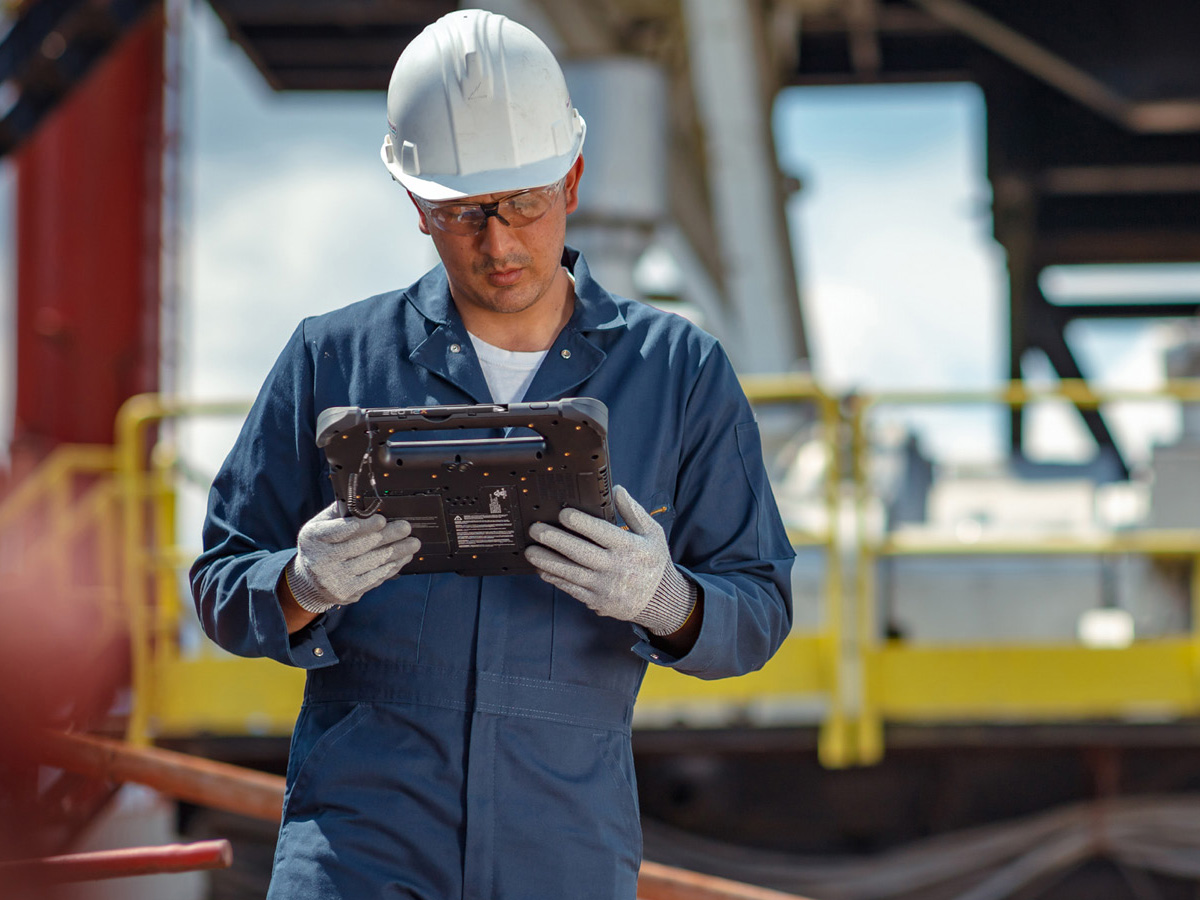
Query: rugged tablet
{"x": 470, "y": 501}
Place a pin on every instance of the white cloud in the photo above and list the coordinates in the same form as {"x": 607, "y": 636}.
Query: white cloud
{"x": 902, "y": 284}
{"x": 301, "y": 241}
{"x": 904, "y": 307}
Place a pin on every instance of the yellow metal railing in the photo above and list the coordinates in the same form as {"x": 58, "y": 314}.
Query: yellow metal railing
{"x": 808, "y": 667}
{"x": 176, "y": 694}
{"x": 57, "y": 534}
{"x": 123, "y": 500}
{"x": 981, "y": 681}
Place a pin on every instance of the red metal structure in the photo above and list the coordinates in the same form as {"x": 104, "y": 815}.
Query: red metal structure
{"x": 89, "y": 203}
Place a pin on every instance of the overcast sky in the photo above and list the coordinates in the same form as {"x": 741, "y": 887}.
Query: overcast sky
{"x": 292, "y": 213}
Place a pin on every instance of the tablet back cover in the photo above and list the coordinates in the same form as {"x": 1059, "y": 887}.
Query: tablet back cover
{"x": 470, "y": 499}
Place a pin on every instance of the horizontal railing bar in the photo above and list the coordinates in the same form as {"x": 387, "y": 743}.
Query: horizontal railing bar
{"x": 659, "y": 882}
{"x": 201, "y": 781}
{"x": 101, "y": 864}
{"x": 1149, "y": 542}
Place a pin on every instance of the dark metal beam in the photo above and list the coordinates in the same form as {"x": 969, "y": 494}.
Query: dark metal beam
{"x": 326, "y": 44}
{"x": 324, "y": 50}
{"x": 345, "y": 13}
{"x": 28, "y": 33}
{"x": 1048, "y": 333}
{"x": 1165, "y": 116}
{"x": 1081, "y": 246}
{"x": 862, "y": 23}
{"x": 1151, "y": 310}
{"x": 1179, "y": 178}
{"x": 50, "y": 50}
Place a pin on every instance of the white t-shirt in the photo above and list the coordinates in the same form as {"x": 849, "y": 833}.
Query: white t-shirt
{"x": 508, "y": 372}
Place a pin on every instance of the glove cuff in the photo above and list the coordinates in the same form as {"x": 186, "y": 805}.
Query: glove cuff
{"x": 306, "y": 592}
{"x": 672, "y": 603}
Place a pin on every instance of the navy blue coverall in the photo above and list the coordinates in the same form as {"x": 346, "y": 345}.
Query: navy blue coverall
{"x": 464, "y": 736}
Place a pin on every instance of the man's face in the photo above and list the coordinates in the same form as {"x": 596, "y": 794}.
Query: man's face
{"x": 506, "y": 269}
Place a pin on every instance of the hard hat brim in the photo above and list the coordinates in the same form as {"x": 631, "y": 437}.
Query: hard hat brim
{"x": 453, "y": 186}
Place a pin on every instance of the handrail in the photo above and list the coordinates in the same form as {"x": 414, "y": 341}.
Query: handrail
{"x": 843, "y": 661}
{"x": 134, "y": 417}
{"x": 1178, "y": 542}
{"x": 247, "y": 792}
{"x": 100, "y": 864}
{"x": 57, "y": 531}
{"x": 885, "y": 665}
{"x": 659, "y": 882}
{"x": 1076, "y": 391}
{"x": 836, "y": 733}
{"x": 63, "y": 463}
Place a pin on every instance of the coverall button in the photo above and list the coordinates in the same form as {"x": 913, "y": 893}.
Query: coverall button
{"x": 566, "y": 354}
{"x": 456, "y": 348}
{"x": 317, "y": 651}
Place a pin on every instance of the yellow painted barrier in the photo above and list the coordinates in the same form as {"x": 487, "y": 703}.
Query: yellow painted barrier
{"x": 842, "y": 672}
{"x": 1151, "y": 680}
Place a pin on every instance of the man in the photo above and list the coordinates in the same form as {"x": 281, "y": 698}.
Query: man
{"x": 469, "y": 736}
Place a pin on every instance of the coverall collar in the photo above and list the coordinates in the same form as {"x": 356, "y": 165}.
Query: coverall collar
{"x": 575, "y": 355}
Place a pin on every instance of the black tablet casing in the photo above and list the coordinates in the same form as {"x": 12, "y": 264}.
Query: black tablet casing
{"x": 470, "y": 500}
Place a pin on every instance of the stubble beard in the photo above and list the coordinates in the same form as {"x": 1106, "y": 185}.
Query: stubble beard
{"x": 515, "y": 299}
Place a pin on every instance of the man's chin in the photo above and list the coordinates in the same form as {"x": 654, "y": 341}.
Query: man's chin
{"x": 507, "y": 302}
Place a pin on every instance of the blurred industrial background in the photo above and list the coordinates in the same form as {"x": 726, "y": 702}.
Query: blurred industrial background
{"x": 953, "y": 248}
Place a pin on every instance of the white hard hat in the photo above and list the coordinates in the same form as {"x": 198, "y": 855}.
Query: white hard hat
{"x": 477, "y": 104}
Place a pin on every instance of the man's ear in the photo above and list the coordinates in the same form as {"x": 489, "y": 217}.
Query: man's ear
{"x": 422, "y": 223}
{"x": 571, "y": 184}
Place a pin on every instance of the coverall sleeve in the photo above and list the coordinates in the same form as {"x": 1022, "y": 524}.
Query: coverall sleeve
{"x": 727, "y": 536}
{"x": 270, "y": 484}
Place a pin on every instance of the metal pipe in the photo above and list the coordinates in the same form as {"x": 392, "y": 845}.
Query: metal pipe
{"x": 202, "y": 781}
{"x": 103, "y": 864}
{"x": 725, "y": 47}
{"x": 659, "y": 882}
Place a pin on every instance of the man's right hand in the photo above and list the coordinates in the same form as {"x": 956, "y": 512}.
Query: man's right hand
{"x": 339, "y": 559}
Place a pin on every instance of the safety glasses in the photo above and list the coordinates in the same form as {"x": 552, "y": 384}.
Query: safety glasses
{"x": 514, "y": 210}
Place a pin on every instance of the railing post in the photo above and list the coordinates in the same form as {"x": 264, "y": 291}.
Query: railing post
{"x": 131, "y": 420}
{"x": 834, "y": 747}
{"x": 163, "y": 559}
{"x": 1194, "y": 630}
{"x": 867, "y": 725}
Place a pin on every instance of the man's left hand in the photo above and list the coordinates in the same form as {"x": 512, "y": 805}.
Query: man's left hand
{"x": 623, "y": 574}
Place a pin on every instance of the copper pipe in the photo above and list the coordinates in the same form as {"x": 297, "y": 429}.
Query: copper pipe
{"x": 201, "y": 781}
{"x": 659, "y": 882}
{"x": 118, "y": 863}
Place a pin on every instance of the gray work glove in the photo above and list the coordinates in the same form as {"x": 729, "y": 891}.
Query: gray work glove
{"x": 623, "y": 574}
{"x": 339, "y": 559}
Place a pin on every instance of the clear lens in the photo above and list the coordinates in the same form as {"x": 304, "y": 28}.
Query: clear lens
{"x": 516, "y": 210}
